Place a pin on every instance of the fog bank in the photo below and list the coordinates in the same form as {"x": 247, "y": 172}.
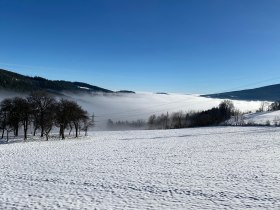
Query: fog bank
{"x": 139, "y": 106}
{"x": 142, "y": 105}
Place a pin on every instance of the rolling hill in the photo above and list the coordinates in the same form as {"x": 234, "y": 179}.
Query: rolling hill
{"x": 20, "y": 83}
{"x": 267, "y": 93}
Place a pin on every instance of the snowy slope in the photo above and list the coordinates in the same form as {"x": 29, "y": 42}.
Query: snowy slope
{"x": 263, "y": 117}
{"x": 202, "y": 168}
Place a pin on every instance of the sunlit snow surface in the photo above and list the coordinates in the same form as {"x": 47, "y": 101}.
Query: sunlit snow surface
{"x": 203, "y": 168}
{"x": 263, "y": 117}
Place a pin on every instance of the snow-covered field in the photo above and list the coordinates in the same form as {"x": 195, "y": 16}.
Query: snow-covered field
{"x": 202, "y": 168}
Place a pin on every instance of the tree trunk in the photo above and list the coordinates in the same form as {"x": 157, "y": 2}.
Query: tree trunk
{"x": 70, "y": 129}
{"x": 7, "y": 135}
{"x": 62, "y": 131}
{"x": 42, "y": 117}
{"x": 3, "y": 131}
{"x": 47, "y": 133}
{"x": 42, "y": 132}
{"x": 16, "y": 131}
{"x": 76, "y": 129}
{"x": 86, "y": 131}
{"x": 25, "y": 130}
{"x": 35, "y": 129}
{"x": 25, "y": 134}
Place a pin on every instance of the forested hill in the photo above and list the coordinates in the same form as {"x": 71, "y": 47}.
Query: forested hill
{"x": 267, "y": 93}
{"x": 20, "y": 83}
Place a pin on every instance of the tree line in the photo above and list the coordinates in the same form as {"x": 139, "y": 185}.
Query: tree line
{"x": 211, "y": 117}
{"x": 42, "y": 112}
{"x": 123, "y": 125}
{"x": 214, "y": 116}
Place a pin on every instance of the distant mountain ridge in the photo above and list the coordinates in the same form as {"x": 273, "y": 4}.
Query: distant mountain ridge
{"x": 20, "y": 83}
{"x": 266, "y": 93}
{"x": 126, "y": 91}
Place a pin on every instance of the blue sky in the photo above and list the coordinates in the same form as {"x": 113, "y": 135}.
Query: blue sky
{"x": 187, "y": 46}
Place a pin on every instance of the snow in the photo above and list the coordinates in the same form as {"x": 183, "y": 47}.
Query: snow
{"x": 262, "y": 117}
{"x": 86, "y": 88}
{"x": 200, "y": 168}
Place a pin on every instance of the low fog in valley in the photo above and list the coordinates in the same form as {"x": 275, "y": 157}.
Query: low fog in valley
{"x": 140, "y": 106}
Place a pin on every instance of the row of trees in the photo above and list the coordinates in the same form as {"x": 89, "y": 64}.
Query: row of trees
{"x": 214, "y": 116}
{"x": 123, "y": 125}
{"x": 41, "y": 111}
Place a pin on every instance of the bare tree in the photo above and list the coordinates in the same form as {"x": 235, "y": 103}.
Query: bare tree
{"x": 62, "y": 118}
{"x": 7, "y": 117}
{"x": 41, "y": 102}
{"x": 177, "y": 119}
{"x": 264, "y": 106}
{"x": 78, "y": 116}
{"x": 152, "y": 121}
{"x": 226, "y": 109}
{"x": 23, "y": 107}
{"x": 87, "y": 123}
{"x": 50, "y": 120}
{"x": 70, "y": 113}
{"x": 6, "y": 108}
{"x": 238, "y": 118}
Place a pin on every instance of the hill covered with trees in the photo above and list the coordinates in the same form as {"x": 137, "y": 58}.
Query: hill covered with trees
{"x": 20, "y": 83}
{"x": 267, "y": 93}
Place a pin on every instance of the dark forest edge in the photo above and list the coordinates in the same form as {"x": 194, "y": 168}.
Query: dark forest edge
{"x": 41, "y": 111}
{"x": 11, "y": 81}
{"x": 266, "y": 93}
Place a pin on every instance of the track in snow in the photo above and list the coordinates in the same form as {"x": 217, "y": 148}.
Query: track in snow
{"x": 202, "y": 168}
